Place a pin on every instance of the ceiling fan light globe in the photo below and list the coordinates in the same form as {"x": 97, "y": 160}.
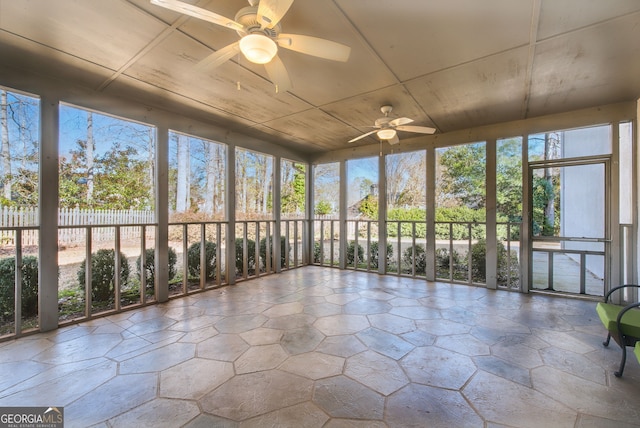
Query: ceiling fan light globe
{"x": 386, "y": 134}
{"x": 258, "y": 48}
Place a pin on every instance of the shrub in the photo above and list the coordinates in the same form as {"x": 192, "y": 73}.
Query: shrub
{"x": 479, "y": 264}
{"x": 103, "y": 267}
{"x": 443, "y": 262}
{"x": 351, "y": 249}
{"x": 263, "y": 251}
{"x": 251, "y": 256}
{"x": 150, "y": 266}
{"x": 29, "y": 286}
{"x": 420, "y": 256}
{"x": 374, "y": 257}
{"x": 193, "y": 260}
{"x": 317, "y": 251}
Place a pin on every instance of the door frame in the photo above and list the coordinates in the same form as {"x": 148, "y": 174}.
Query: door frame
{"x": 609, "y": 239}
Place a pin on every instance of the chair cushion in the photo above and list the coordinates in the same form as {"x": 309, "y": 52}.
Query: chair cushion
{"x": 608, "y": 314}
{"x": 636, "y": 351}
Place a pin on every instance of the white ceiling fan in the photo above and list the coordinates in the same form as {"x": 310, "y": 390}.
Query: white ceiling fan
{"x": 386, "y": 127}
{"x": 259, "y": 27}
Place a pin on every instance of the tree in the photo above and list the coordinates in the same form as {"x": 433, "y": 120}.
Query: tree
{"x": 183, "y": 196}
{"x": 90, "y": 159}
{"x": 293, "y": 187}
{"x": 462, "y": 175}
{"x": 4, "y": 148}
{"x": 406, "y": 179}
{"x": 509, "y": 178}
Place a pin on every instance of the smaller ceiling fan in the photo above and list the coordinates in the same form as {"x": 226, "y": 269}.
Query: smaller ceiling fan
{"x": 386, "y": 127}
{"x": 260, "y": 31}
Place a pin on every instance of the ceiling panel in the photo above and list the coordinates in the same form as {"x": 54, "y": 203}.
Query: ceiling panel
{"x": 558, "y": 17}
{"x": 416, "y": 37}
{"x": 171, "y": 65}
{"x": 595, "y": 66}
{"x": 314, "y": 126}
{"x": 486, "y": 91}
{"x": 451, "y": 64}
{"x": 88, "y": 29}
{"x": 360, "y": 112}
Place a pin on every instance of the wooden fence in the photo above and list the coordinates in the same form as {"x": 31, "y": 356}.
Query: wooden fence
{"x": 11, "y": 218}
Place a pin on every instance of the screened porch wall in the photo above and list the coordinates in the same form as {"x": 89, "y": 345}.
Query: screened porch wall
{"x": 190, "y": 120}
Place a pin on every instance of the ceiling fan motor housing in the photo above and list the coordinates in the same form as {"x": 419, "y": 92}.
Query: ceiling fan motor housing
{"x": 248, "y": 17}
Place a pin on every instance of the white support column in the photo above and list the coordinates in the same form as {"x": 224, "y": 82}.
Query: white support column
{"x": 430, "y": 251}
{"x": 162, "y": 215}
{"x": 307, "y": 243}
{"x": 382, "y": 215}
{"x": 48, "y": 214}
{"x": 491, "y": 260}
{"x": 525, "y": 238}
{"x": 231, "y": 214}
{"x": 343, "y": 214}
{"x": 277, "y": 213}
{"x": 613, "y": 266}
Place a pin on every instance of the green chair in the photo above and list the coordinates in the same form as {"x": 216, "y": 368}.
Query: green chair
{"x": 637, "y": 351}
{"x": 622, "y": 323}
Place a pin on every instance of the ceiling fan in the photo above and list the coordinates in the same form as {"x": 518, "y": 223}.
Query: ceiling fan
{"x": 386, "y": 127}
{"x": 258, "y": 26}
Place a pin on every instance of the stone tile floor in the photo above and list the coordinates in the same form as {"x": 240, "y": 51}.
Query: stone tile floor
{"x": 319, "y": 347}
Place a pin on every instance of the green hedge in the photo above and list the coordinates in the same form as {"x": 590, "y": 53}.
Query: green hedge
{"x": 193, "y": 260}
{"x": 29, "y": 270}
{"x": 150, "y": 266}
{"x": 103, "y": 273}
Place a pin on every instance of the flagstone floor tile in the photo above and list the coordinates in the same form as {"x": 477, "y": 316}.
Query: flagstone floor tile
{"x": 329, "y": 348}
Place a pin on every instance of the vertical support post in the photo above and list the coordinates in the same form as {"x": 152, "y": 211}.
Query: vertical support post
{"x": 203, "y": 255}
{"x": 612, "y": 208}
{"x": 48, "y": 215}
{"x": 88, "y": 274}
{"x": 143, "y": 263}
{"x": 118, "y": 266}
{"x": 218, "y": 251}
{"x": 430, "y": 249}
{"x": 491, "y": 216}
{"x": 268, "y": 245}
{"x": 185, "y": 258}
{"x": 343, "y": 215}
{"x": 17, "y": 312}
{"x": 526, "y": 254}
{"x": 382, "y": 216}
{"x": 583, "y": 273}
{"x": 308, "y": 244}
{"x": 230, "y": 210}
{"x": 277, "y": 213}
{"x": 162, "y": 214}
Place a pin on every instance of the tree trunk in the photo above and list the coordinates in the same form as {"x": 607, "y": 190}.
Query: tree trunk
{"x": 211, "y": 178}
{"x": 549, "y": 211}
{"x": 90, "y": 149}
{"x": 6, "y": 154}
{"x": 183, "y": 197}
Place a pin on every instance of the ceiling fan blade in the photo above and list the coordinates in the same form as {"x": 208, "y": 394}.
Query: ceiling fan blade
{"x": 363, "y": 135}
{"x": 418, "y": 129}
{"x": 315, "y": 46}
{"x": 394, "y": 140}
{"x": 219, "y": 57}
{"x": 198, "y": 12}
{"x": 270, "y": 12}
{"x": 400, "y": 121}
{"x": 278, "y": 74}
